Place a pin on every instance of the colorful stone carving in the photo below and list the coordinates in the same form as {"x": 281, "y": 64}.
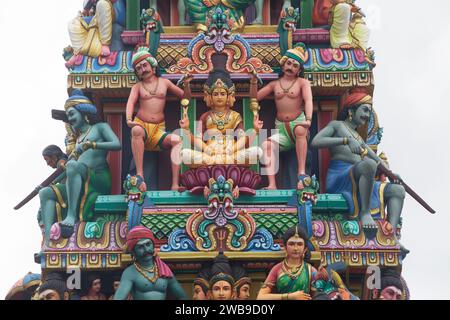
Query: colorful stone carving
{"x": 149, "y": 278}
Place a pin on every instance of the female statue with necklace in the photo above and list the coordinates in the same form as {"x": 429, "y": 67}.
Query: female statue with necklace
{"x": 222, "y": 129}
{"x": 292, "y": 278}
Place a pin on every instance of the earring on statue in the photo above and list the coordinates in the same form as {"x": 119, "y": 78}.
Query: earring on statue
{"x": 87, "y": 119}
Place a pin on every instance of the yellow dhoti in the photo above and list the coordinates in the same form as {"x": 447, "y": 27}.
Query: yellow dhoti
{"x": 88, "y": 37}
{"x": 155, "y": 133}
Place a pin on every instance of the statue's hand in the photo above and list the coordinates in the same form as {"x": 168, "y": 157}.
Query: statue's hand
{"x": 397, "y": 180}
{"x": 131, "y": 124}
{"x": 210, "y": 150}
{"x": 184, "y": 123}
{"x": 354, "y": 145}
{"x": 257, "y": 124}
{"x": 235, "y": 192}
{"x": 299, "y": 295}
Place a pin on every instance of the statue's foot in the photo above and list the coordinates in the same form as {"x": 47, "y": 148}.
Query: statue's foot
{"x": 67, "y": 227}
{"x": 143, "y": 187}
{"x": 105, "y": 51}
{"x": 270, "y": 187}
{"x": 368, "y": 223}
{"x": 345, "y": 46}
{"x": 177, "y": 187}
{"x": 71, "y": 62}
{"x": 257, "y": 21}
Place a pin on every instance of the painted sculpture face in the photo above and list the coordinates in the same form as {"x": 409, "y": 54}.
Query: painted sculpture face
{"x": 221, "y": 290}
{"x": 199, "y": 294}
{"x": 49, "y": 294}
{"x": 219, "y": 98}
{"x": 116, "y": 285}
{"x": 244, "y": 292}
{"x": 362, "y": 114}
{"x": 144, "y": 250}
{"x": 96, "y": 286}
{"x": 391, "y": 293}
{"x": 291, "y": 67}
{"x": 295, "y": 248}
{"x": 144, "y": 70}
{"x": 75, "y": 118}
{"x": 52, "y": 161}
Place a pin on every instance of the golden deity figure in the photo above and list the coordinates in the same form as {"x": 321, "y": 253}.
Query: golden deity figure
{"x": 220, "y": 138}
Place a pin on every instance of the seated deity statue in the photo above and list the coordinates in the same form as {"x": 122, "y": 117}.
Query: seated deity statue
{"x": 224, "y": 141}
{"x": 348, "y": 29}
{"x": 91, "y": 31}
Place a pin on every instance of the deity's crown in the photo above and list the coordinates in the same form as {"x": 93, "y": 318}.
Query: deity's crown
{"x": 219, "y": 84}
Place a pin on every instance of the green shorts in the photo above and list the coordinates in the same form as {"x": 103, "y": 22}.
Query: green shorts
{"x": 286, "y": 136}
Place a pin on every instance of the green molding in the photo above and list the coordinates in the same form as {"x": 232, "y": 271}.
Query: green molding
{"x": 326, "y": 203}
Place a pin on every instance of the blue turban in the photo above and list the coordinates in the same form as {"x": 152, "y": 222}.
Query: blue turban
{"x": 80, "y": 102}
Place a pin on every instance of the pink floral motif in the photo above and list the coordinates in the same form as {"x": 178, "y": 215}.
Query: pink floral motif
{"x": 318, "y": 228}
{"x": 109, "y": 60}
{"x": 329, "y": 55}
{"x": 360, "y": 55}
{"x": 55, "y": 232}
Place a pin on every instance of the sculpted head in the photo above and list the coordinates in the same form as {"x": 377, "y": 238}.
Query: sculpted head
{"x": 357, "y": 107}
{"x": 391, "y": 286}
{"x": 201, "y": 285}
{"x": 53, "y": 288}
{"x": 219, "y": 90}
{"x": 141, "y": 244}
{"x": 295, "y": 241}
{"x": 293, "y": 61}
{"x": 144, "y": 64}
{"x": 242, "y": 284}
{"x": 95, "y": 285}
{"x": 52, "y": 154}
{"x": 221, "y": 284}
{"x": 221, "y": 287}
{"x": 80, "y": 110}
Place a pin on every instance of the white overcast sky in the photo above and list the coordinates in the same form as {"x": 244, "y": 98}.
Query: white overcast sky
{"x": 412, "y": 42}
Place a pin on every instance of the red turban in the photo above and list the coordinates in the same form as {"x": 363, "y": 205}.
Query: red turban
{"x": 139, "y": 233}
{"x": 356, "y": 97}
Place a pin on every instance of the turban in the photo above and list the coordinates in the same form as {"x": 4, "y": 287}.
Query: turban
{"x": 389, "y": 278}
{"x": 54, "y": 281}
{"x": 299, "y": 53}
{"x": 142, "y": 54}
{"x": 139, "y": 233}
{"x": 80, "y": 102}
{"x": 356, "y": 97}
